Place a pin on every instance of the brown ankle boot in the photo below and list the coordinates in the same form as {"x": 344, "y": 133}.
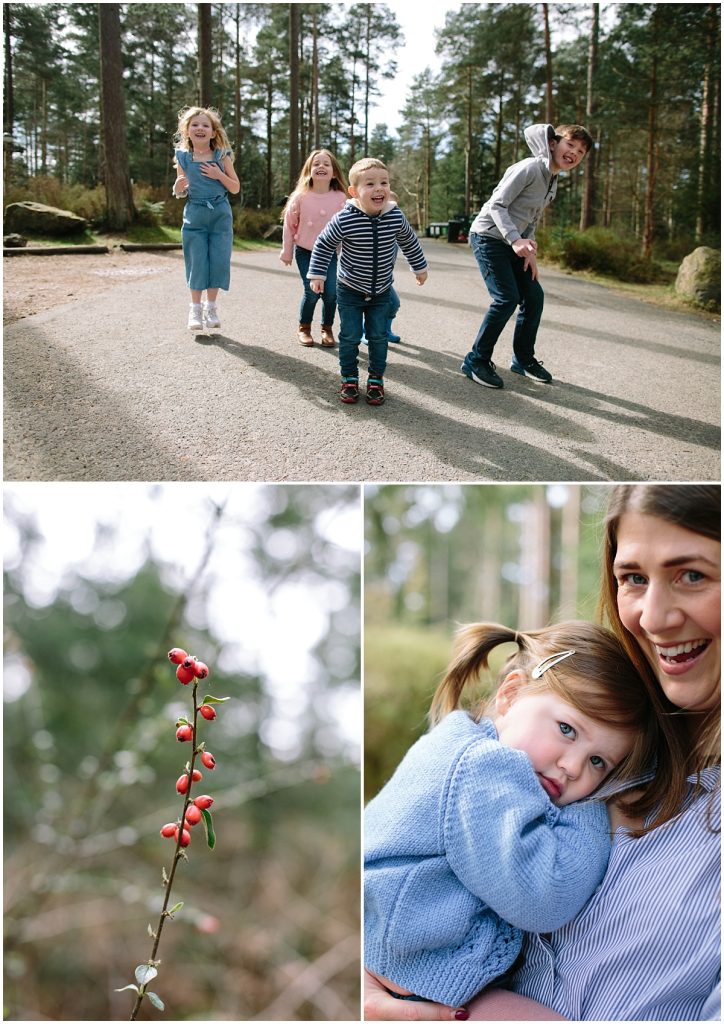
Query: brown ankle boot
{"x": 327, "y": 337}
{"x": 304, "y": 334}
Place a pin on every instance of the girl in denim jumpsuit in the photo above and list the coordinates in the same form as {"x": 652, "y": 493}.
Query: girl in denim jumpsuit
{"x": 205, "y": 175}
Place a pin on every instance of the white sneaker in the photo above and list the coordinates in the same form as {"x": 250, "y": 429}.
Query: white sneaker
{"x": 195, "y": 320}
{"x": 211, "y": 315}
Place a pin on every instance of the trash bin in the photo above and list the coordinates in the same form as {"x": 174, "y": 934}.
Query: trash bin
{"x": 454, "y": 229}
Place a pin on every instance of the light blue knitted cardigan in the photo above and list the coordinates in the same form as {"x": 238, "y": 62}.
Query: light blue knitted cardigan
{"x": 463, "y": 850}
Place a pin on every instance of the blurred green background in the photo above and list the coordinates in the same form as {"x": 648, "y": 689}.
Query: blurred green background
{"x": 437, "y": 557}
{"x": 262, "y": 583}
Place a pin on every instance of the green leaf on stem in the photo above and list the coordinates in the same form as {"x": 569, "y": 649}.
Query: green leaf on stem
{"x": 151, "y": 932}
{"x": 209, "y": 826}
{"x": 145, "y": 973}
{"x": 175, "y": 907}
{"x": 209, "y": 699}
{"x": 134, "y": 987}
{"x": 182, "y": 721}
{"x": 156, "y": 1001}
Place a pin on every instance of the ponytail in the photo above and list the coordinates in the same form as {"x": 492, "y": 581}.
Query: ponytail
{"x": 472, "y": 647}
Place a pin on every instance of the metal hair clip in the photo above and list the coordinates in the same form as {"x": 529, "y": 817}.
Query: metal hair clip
{"x": 549, "y": 662}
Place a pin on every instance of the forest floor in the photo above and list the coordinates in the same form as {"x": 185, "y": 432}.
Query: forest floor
{"x": 102, "y": 381}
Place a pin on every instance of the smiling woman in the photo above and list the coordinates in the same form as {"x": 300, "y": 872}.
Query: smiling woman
{"x": 646, "y": 945}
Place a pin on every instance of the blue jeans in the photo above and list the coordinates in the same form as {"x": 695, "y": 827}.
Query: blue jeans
{"x": 358, "y": 313}
{"x": 510, "y": 287}
{"x": 207, "y": 235}
{"x": 310, "y": 298}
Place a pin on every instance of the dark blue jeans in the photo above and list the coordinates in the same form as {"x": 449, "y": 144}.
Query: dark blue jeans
{"x": 509, "y": 288}
{"x": 310, "y": 298}
{"x": 357, "y": 312}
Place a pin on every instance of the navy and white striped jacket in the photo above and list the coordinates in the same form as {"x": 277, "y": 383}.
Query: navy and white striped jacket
{"x": 369, "y": 247}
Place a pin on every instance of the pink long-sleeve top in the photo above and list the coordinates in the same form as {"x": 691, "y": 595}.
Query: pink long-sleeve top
{"x": 306, "y": 216}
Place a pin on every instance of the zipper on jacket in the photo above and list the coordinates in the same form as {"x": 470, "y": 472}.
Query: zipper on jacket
{"x": 375, "y": 254}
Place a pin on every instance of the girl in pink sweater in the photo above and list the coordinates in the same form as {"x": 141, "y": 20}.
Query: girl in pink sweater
{"x": 320, "y": 193}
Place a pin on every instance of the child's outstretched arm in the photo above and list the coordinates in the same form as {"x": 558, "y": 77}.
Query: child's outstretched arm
{"x": 324, "y": 249}
{"x": 289, "y": 230}
{"x": 412, "y": 250}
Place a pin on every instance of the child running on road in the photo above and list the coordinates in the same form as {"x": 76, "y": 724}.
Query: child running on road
{"x": 369, "y": 229}
{"x": 502, "y": 238}
{"x": 485, "y": 829}
{"x": 205, "y": 173}
{"x": 320, "y": 192}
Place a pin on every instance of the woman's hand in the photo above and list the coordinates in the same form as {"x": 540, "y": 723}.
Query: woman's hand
{"x": 380, "y": 1005}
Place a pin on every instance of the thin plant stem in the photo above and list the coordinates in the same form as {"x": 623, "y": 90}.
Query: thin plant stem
{"x": 178, "y": 854}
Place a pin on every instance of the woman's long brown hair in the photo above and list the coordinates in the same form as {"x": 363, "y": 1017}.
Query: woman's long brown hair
{"x": 681, "y": 750}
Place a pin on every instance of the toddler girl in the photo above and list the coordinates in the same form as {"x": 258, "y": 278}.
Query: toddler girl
{"x": 205, "y": 173}
{"x": 479, "y": 834}
{"x": 320, "y": 192}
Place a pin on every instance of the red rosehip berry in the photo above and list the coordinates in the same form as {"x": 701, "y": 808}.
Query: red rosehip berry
{"x": 177, "y": 655}
{"x": 201, "y": 671}
{"x": 184, "y": 675}
{"x": 193, "y": 815}
{"x": 208, "y": 760}
{"x": 196, "y": 775}
{"x": 182, "y": 783}
{"x": 184, "y": 733}
{"x": 189, "y": 661}
{"x": 204, "y": 802}
{"x": 208, "y": 712}
{"x": 169, "y": 830}
{"x": 185, "y": 837}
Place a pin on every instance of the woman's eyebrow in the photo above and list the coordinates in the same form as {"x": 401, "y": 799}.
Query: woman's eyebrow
{"x": 669, "y": 563}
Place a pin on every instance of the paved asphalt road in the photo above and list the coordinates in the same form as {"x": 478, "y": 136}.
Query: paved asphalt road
{"x": 116, "y": 389}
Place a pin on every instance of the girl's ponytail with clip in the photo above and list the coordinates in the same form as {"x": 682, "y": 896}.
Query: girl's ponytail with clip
{"x": 472, "y": 647}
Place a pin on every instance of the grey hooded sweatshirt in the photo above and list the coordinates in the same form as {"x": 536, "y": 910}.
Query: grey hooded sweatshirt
{"x": 523, "y": 192}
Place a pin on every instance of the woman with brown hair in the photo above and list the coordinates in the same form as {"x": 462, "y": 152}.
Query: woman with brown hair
{"x": 646, "y": 946}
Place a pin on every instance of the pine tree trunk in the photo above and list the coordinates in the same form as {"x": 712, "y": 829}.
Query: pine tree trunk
{"x": 293, "y": 94}
{"x": 647, "y": 242}
{"x": 205, "y": 55}
{"x": 549, "y": 66}
{"x": 120, "y": 211}
{"x": 8, "y": 100}
{"x": 706, "y": 124}
{"x": 588, "y": 206}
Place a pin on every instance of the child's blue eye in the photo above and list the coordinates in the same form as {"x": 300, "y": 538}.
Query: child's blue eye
{"x": 598, "y": 762}
{"x": 566, "y": 729}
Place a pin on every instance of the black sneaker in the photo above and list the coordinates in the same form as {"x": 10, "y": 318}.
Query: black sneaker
{"x": 375, "y": 391}
{"x": 484, "y": 373}
{"x": 533, "y": 369}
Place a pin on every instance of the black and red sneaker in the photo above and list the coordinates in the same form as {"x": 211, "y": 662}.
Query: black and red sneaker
{"x": 375, "y": 391}
{"x": 349, "y": 392}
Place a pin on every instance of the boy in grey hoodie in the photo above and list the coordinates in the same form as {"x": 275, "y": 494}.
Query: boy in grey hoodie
{"x": 502, "y": 238}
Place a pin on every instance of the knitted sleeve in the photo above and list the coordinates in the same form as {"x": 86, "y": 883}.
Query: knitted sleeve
{"x": 325, "y": 247}
{"x": 513, "y": 182}
{"x": 533, "y": 863}
{"x": 289, "y": 228}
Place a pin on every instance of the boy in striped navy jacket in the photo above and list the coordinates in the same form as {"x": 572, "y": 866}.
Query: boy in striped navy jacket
{"x": 369, "y": 229}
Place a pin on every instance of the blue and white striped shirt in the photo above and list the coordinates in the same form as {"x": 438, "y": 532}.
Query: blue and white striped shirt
{"x": 647, "y": 944}
{"x": 369, "y": 247}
